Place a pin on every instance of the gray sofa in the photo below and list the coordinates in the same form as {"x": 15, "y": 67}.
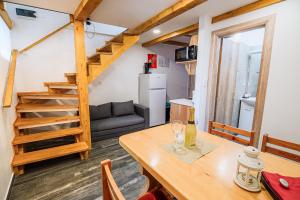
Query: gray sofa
{"x": 117, "y": 118}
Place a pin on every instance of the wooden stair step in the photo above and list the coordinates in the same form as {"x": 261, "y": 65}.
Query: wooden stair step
{"x": 115, "y": 43}
{"x": 60, "y": 85}
{"x": 46, "y": 95}
{"x": 104, "y": 53}
{"x": 23, "y": 123}
{"x": 45, "y": 154}
{"x": 94, "y": 63}
{"x": 107, "y": 48}
{"x": 45, "y": 108}
{"x": 93, "y": 58}
{"x": 23, "y": 139}
{"x": 70, "y": 74}
{"x": 106, "y": 60}
{"x": 118, "y": 38}
{"x": 71, "y": 77}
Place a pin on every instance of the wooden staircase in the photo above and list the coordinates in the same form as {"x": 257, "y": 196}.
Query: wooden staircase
{"x": 109, "y": 53}
{"x": 57, "y": 100}
{"x": 61, "y": 100}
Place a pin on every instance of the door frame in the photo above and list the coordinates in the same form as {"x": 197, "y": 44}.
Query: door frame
{"x": 268, "y": 23}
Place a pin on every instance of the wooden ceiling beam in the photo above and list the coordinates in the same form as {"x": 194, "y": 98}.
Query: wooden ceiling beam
{"x": 244, "y": 9}
{"x": 166, "y": 37}
{"x": 176, "y": 43}
{"x": 178, "y": 8}
{"x": 5, "y": 16}
{"x": 85, "y": 8}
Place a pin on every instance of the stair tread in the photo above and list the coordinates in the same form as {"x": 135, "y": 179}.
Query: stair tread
{"x": 49, "y": 153}
{"x": 116, "y": 43}
{"x": 44, "y": 121}
{"x": 46, "y": 95}
{"x": 104, "y": 53}
{"x": 46, "y": 135}
{"x": 60, "y": 83}
{"x": 45, "y": 107}
{"x": 94, "y": 63}
{"x": 32, "y": 93}
{"x": 70, "y": 74}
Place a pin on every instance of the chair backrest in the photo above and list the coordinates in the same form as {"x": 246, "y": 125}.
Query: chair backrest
{"x": 279, "y": 152}
{"x": 109, "y": 186}
{"x": 219, "y": 128}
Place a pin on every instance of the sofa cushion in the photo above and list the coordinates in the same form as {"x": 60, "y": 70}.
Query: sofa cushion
{"x": 100, "y": 112}
{"x": 115, "y": 122}
{"x": 123, "y": 108}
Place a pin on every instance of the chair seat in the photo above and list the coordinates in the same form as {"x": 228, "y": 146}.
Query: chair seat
{"x": 147, "y": 196}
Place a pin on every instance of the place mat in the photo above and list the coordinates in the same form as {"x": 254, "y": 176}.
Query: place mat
{"x": 202, "y": 148}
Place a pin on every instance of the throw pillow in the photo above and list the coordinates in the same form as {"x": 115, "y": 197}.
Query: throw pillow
{"x": 123, "y": 108}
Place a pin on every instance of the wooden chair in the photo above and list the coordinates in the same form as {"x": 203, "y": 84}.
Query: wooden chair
{"x": 214, "y": 128}
{"x": 110, "y": 188}
{"x": 279, "y": 152}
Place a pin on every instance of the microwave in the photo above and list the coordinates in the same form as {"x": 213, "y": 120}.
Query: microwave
{"x": 186, "y": 53}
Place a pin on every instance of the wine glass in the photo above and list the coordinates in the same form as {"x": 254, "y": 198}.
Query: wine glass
{"x": 178, "y": 128}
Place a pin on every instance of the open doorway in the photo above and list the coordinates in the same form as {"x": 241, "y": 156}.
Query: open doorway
{"x": 239, "y": 68}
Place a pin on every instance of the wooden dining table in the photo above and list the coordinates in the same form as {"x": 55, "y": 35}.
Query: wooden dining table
{"x": 209, "y": 177}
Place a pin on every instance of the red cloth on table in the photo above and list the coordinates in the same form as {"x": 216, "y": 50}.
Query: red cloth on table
{"x": 290, "y": 193}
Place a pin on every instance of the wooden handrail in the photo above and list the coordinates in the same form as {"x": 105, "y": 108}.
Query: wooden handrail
{"x": 5, "y": 16}
{"x": 45, "y": 37}
{"x": 7, "y": 97}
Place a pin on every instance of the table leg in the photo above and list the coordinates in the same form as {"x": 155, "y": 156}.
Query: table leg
{"x": 152, "y": 181}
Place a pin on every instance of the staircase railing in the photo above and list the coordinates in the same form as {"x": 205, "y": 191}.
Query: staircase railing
{"x": 7, "y": 97}
{"x": 45, "y": 37}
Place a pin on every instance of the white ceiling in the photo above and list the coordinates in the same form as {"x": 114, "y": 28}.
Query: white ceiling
{"x": 130, "y": 13}
{"x": 66, "y": 6}
{"x": 210, "y": 8}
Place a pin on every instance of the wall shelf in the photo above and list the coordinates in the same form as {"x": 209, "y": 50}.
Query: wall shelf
{"x": 187, "y": 62}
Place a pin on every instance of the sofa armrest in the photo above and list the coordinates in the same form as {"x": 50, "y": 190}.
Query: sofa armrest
{"x": 143, "y": 112}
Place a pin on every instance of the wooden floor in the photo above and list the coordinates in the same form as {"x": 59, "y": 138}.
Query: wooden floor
{"x": 70, "y": 178}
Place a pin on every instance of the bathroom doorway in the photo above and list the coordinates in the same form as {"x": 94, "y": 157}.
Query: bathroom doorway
{"x": 238, "y": 75}
{"x": 240, "y": 59}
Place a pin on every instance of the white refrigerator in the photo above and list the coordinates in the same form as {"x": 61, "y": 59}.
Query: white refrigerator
{"x": 152, "y": 94}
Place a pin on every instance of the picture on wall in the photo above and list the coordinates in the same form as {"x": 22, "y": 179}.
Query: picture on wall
{"x": 152, "y": 58}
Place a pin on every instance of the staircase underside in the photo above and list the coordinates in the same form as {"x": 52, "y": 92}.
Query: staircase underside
{"x": 106, "y": 55}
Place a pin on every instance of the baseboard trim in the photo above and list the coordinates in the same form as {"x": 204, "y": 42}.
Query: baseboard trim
{"x": 10, "y": 185}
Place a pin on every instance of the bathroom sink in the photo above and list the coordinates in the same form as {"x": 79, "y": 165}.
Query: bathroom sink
{"x": 250, "y": 101}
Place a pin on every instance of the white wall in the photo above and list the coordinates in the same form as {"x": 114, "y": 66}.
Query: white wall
{"x": 120, "y": 81}
{"x": 282, "y": 108}
{"x": 49, "y": 60}
{"x": 177, "y": 82}
{"x": 7, "y": 114}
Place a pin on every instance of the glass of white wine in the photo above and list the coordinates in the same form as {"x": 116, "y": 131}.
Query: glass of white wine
{"x": 178, "y": 131}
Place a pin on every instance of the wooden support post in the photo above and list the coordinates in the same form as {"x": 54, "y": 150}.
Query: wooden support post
{"x": 82, "y": 82}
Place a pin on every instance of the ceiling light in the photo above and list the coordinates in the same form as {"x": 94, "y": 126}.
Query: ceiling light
{"x": 156, "y": 31}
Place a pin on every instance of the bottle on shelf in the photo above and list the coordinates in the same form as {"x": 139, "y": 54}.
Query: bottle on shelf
{"x": 190, "y": 131}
